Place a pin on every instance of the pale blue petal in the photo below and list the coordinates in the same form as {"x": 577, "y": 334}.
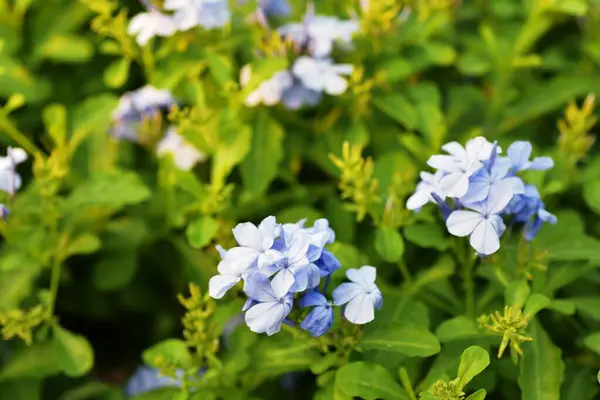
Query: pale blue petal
{"x": 312, "y": 299}
{"x": 443, "y": 163}
{"x": 455, "y": 184}
{"x": 264, "y": 316}
{"x": 248, "y": 235}
{"x": 269, "y": 230}
{"x": 258, "y": 287}
{"x": 346, "y": 292}
{"x": 519, "y": 153}
{"x": 541, "y": 164}
{"x": 463, "y": 222}
{"x": 364, "y": 276}
{"x": 218, "y": 285}
{"x": 318, "y": 321}
{"x": 360, "y": 309}
{"x": 500, "y": 195}
{"x": 485, "y": 239}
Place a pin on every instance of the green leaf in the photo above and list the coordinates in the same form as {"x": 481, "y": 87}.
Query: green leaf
{"x": 516, "y": 293}
{"x": 406, "y": 338}
{"x": 472, "y": 362}
{"x": 174, "y": 351}
{"x": 478, "y": 395}
{"x": 457, "y": 328}
{"x": 116, "y": 74}
{"x": 16, "y": 284}
{"x": 75, "y": 354}
{"x": 229, "y": 153}
{"x": 368, "y": 381}
{"x": 55, "y": 121}
{"x": 294, "y": 214}
{"x": 35, "y": 361}
{"x": 264, "y": 69}
{"x": 21, "y": 389}
{"x": 389, "y": 244}
{"x": 220, "y": 67}
{"x": 114, "y": 190}
{"x": 398, "y": 107}
{"x": 261, "y": 165}
{"x": 535, "y": 303}
{"x": 588, "y": 306}
{"x": 83, "y": 244}
{"x": 542, "y": 368}
{"x": 281, "y": 354}
{"x": 592, "y": 342}
{"x": 201, "y": 231}
{"x": 541, "y": 99}
{"x": 94, "y": 113}
{"x": 67, "y": 48}
{"x": 427, "y": 235}
{"x": 565, "y": 307}
{"x": 591, "y": 195}
{"x": 115, "y": 269}
{"x": 580, "y": 382}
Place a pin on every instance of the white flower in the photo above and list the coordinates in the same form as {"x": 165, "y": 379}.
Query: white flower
{"x": 146, "y": 25}
{"x": 362, "y": 295}
{"x": 206, "y": 13}
{"x": 10, "y": 180}
{"x": 322, "y": 75}
{"x": 430, "y": 183}
{"x": 270, "y": 91}
{"x": 184, "y": 154}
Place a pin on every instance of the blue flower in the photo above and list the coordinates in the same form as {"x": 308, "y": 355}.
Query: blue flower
{"x": 4, "y": 211}
{"x": 483, "y": 180}
{"x": 322, "y": 75}
{"x": 290, "y": 265}
{"x": 460, "y": 164}
{"x": 268, "y": 92}
{"x": 482, "y": 221}
{"x": 299, "y": 96}
{"x": 275, "y": 8}
{"x": 240, "y": 261}
{"x": 528, "y": 208}
{"x": 134, "y": 106}
{"x": 271, "y": 307}
{"x": 146, "y": 25}
{"x": 146, "y": 379}
{"x": 184, "y": 154}
{"x": 192, "y": 13}
{"x": 328, "y": 263}
{"x": 361, "y": 295}
{"x": 519, "y": 153}
{"x": 319, "y": 33}
{"x": 320, "y": 319}
{"x": 430, "y": 183}
{"x": 10, "y": 180}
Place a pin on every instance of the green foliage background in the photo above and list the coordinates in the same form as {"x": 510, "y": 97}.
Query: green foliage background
{"x": 103, "y": 236}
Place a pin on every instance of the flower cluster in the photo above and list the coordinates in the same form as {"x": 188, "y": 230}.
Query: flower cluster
{"x": 313, "y": 72}
{"x": 476, "y": 188}
{"x": 187, "y": 14}
{"x": 279, "y": 262}
{"x": 10, "y": 180}
{"x": 144, "y": 103}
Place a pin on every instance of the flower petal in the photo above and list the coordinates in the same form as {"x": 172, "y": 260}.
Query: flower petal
{"x": 360, "y": 309}
{"x": 364, "y": 276}
{"x": 519, "y": 153}
{"x": 258, "y": 287}
{"x": 346, "y": 292}
{"x": 312, "y": 299}
{"x": 444, "y": 163}
{"x": 218, "y": 285}
{"x": 463, "y": 222}
{"x": 485, "y": 239}
{"x": 248, "y": 235}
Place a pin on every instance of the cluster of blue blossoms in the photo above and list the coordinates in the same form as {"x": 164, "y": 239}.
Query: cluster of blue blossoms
{"x": 144, "y": 103}
{"x": 280, "y": 262}
{"x": 313, "y": 72}
{"x": 189, "y": 14}
{"x": 475, "y": 188}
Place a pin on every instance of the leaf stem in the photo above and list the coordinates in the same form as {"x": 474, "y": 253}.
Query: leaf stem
{"x": 54, "y": 283}
{"x": 16, "y": 135}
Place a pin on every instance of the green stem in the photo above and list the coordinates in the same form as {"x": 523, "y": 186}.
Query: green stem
{"x": 54, "y": 283}
{"x": 469, "y": 288}
{"x": 19, "y": 137}
{"x": 405, "y": 272}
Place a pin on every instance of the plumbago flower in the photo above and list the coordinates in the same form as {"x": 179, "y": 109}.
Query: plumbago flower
{"x": 146, "y": 25}
{"x": 184, "y": 154}
{"x": 477, "y": 188}
{"x": 10, "y": 180}
{"x": 313, "y": 73}
{"x": 146, "y": 379}
{"x": 279, "y": 263}
{"x": 134, "y": 106}
{"x": 275, "y": 8}
{"x": 189, "y": 14}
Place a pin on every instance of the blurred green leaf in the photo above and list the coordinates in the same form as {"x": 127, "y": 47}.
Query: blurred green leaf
{"x": 174, "y": 351}
{"x": 201, "y": 231}
{"x": 115, "y": 269}
{"x": 389, "y": 244}
{"x": 458, "y": 328}
{"x": 261, "y": 165}
{"x": 67, "y": 48}
{"x": 472, "y": 362}
{"x": 116, "y": 74}
{"x": 542, "y": 368}
{"x": 75, "y": 354}
{"x": 405, "y": 338}
{"x": 35, "y": 361}
{"x": 426, "y": 235}
{"x": 368, "y": 381}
